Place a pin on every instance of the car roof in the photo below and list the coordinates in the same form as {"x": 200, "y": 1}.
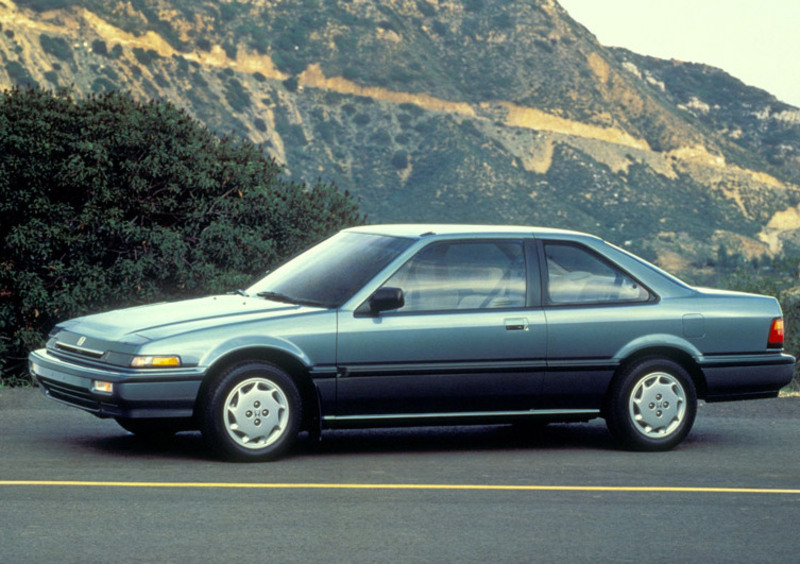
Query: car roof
{"x": 420, "y": 230}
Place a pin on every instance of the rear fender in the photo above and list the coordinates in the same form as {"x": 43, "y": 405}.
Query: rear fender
{"x": 660, "y": 341}
{"x": 666, "y": 346}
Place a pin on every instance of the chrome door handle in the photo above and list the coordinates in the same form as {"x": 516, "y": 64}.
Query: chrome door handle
{"x": 517, "y": 324}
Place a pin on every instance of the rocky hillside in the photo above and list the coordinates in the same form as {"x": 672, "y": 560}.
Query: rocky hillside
{"x": 449, "y": 110}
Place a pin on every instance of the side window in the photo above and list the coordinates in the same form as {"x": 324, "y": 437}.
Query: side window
{"x": 462, "y": 276}
{"x": 576, "y": 275}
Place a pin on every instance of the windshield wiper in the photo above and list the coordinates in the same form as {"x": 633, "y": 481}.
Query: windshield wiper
{"x": 279, "y": 297}
{"x": 239, "y": 292}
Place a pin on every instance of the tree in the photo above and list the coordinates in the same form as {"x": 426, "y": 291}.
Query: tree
{"x": 108, "y": 202}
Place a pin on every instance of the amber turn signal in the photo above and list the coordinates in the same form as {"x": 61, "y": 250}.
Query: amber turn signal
{"x": 155, "y": 361}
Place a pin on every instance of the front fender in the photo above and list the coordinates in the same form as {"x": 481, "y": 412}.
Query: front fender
{"x": 242, "y": 343}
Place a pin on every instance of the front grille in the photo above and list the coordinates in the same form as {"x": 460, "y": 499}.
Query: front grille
{"x": 73, "y": 395}
{"x": 79, "y": 351}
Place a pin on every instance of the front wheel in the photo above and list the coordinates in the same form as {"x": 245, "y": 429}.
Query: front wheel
{"x": 652, "y": 405}
{"x": 251, "y": 413}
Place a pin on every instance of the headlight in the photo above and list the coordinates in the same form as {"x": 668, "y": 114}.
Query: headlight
{"x": 156, "y": 362}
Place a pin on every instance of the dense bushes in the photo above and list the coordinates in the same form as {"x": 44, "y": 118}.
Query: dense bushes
{"x": 108, "y": 202}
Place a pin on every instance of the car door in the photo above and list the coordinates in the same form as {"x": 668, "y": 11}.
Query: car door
{"x": 466, "y": 340}
{"x": 593, "y": 309}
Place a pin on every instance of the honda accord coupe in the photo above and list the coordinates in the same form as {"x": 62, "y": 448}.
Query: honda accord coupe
{"x": 401, "y": 325}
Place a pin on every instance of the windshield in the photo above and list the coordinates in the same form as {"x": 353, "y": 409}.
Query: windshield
{"x": 330, "y": 273}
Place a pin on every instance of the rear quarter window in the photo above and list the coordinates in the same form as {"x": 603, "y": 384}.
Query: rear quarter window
{"x": 575, "y": 275}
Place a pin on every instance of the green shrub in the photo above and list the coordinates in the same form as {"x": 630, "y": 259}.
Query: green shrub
{"x": 44, "y": 5}
{"x": 439, "y": 28}
{"x": 19, "y": 75}
{"x": 413, "y": 109}
{"x": 99, "y": 47}
{"x": 291, "y": 84}
{"x": 56, "y": 46}
{"x": 237, "y": 95}
{"x": 425, "y": 8}
{"x": 361, "y": 119}
{"x": 229, "y": 12}
{"x": 109, "y": 202}
{"x": 145, "y": 57}
{"x": 230, "y": 49}
{"x": 380, "y": 138}
{"x": 400, "y": 160}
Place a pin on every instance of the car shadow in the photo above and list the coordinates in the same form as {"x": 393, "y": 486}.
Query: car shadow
{"x": 189, "y": 445}
{"x": 182, "y": 446}
{"x": 458, "y": 439}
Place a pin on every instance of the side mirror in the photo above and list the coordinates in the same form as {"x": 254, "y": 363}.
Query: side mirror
{"x": 385, "y": 299}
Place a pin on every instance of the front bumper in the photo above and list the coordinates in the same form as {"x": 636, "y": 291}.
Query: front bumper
{"x": 136, "y": 393}
{"x": 735, "y": 377}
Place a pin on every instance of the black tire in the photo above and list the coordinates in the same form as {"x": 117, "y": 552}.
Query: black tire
{"x": 652, "y": 405}
{"x": 153, "y": 428}
{"x": 251, "y": 413}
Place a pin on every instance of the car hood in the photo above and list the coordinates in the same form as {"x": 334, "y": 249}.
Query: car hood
{"x": 144, "y": 323}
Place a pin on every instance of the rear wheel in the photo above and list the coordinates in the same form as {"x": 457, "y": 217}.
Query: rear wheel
{"x": 652, "y": 405}
{"x": 251, "y": 413}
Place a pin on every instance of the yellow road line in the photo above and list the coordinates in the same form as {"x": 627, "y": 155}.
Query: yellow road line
{"x": 441, "y": 487}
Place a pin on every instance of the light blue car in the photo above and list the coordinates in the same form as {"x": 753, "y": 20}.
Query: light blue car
{"x": 424, "y": 325}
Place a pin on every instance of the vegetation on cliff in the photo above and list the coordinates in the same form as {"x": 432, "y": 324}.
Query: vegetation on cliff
{"x": 109, "y": 202}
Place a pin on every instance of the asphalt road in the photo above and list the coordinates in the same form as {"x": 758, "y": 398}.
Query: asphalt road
{"x": 78, "y": 489}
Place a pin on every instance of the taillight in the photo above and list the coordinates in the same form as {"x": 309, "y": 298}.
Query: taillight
{"x": 775, "y": 340}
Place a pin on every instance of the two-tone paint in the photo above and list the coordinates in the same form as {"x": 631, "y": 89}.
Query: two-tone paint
{"x": 396, "y": 367}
